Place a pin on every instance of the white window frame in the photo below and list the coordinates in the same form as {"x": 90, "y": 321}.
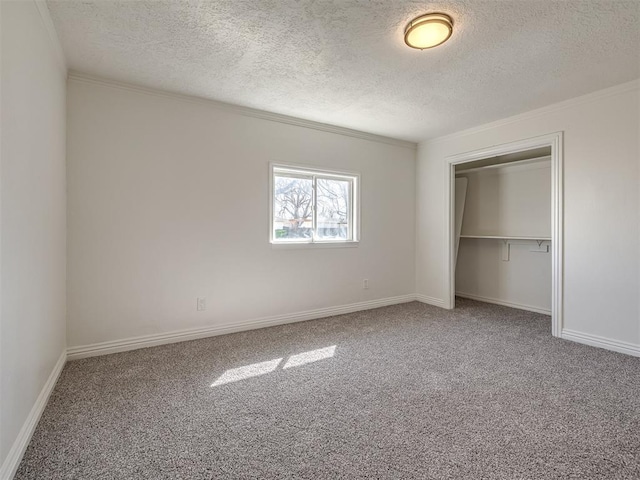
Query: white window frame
{"x": 316, "y": 173}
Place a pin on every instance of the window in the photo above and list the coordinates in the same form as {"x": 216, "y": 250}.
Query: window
{"x": 313, "y": 206}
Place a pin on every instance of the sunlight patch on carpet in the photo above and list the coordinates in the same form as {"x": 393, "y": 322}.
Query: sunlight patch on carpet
{"x": 261, "y": 368}
{"x": 248, "y": 371}
{"x": 309, "y": 357}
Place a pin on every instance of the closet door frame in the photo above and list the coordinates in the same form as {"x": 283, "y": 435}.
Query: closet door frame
{"x": 553, "y": 140}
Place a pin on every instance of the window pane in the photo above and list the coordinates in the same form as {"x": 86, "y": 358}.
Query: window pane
{"x": 292, "y": 208}
{"x": 333, "y": 209}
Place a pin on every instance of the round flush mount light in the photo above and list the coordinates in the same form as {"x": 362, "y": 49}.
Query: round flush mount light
{"x": 428, "y": 31}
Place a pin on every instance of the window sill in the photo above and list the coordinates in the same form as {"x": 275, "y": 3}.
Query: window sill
{"x": 298, "y": 245}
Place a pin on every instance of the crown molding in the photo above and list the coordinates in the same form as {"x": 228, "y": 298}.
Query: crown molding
{"x": 590, "y": 97}
{"x": 45, "y": 16}
{"x": 246, "y": 111}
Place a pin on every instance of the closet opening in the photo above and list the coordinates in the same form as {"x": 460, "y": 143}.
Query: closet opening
{"x": 504, "y": 235}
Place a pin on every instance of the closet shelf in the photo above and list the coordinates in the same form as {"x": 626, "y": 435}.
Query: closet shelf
{"x": 504, "y": 237}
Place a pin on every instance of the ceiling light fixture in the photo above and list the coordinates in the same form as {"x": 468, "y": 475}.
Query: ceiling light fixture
{"x": 428, "y": 31}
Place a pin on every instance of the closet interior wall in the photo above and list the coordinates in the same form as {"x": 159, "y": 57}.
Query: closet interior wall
{"x": 504, "y": 249}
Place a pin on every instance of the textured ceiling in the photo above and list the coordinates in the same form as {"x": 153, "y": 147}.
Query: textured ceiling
{"x": 343, "y": 62}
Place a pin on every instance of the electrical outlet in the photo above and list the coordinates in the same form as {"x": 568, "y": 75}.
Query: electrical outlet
{"x": 365, "y": 284}
{"x": 201, "y": 304}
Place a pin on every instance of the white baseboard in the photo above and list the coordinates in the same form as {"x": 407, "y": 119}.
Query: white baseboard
{"x": 437, "y": 302}
{"x": 601, "y": 342}
{"x": 11, "y": 463}
{"x": 496, "y": 301}
{"x": 104, "y": 348}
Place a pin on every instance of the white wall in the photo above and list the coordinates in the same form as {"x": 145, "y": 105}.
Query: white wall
{"x": 32, "y": 228}
{"x": 601, "y": 206}
{"x": 168, "y": 201}
{"x": 522, "y": 282}
{"x": 511, "y": 200}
